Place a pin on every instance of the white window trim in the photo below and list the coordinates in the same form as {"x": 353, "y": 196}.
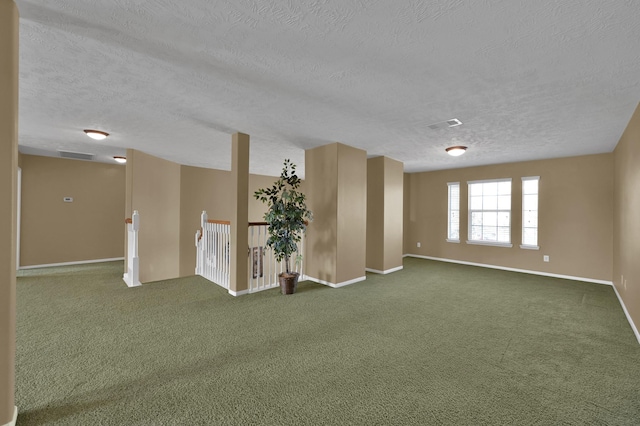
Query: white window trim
{"x": 489, "y": 243}
{"x": 449, "y": 184}
{"x": 527, "y": 246}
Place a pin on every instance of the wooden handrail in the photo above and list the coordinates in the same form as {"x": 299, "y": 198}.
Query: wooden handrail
{"x": 219, "y": 222}
{"x": 128, "y": 220}
{"x": 265, "y": 223}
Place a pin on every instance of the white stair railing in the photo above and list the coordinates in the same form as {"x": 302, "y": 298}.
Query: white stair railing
{"x": 132, "y": 276}
{"x": 263, "y": 267}
{"x": 213, "y": 241}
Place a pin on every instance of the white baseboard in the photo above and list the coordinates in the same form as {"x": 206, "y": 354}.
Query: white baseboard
{"x": 626, "y": 313}
{"x": 238, "y": 293}
{"x": 15, "y": 418}
{"x": 504, "y": 268}
{"x": 333, "y": 285}
{"x": 128, "y": 282}
{"x": 80, "y": 262}
{"x": 258, "y": 290}
{"x": 388, "y": 271}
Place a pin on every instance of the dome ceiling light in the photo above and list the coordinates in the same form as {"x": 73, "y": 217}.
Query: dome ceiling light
{"x": 456, "y": 151}
{"x": 96, "y": 134}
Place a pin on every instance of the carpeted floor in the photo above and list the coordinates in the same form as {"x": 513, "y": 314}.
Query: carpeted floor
{"x": 435, "y": 343}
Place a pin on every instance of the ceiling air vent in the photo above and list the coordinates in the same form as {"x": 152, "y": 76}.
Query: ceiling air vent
{"x": 444, "y": 124}
{"x": 76, "y": 155}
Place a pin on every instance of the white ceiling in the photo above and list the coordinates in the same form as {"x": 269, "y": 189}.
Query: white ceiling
{"x": 528, "y": 79}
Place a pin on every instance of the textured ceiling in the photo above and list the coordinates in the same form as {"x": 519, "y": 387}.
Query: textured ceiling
{"x": 528, "y": 79}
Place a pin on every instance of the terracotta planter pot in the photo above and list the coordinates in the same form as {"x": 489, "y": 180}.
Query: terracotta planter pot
{"x": 288, "y": 282}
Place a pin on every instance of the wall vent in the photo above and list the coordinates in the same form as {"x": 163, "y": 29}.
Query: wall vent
{"x": 444, "y": 124}
{"x": 76, "y": 155}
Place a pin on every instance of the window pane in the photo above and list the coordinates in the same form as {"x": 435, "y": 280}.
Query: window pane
{"x": 490, "y": 219}
{"x": 530, "y": 219}
{"x": 504, "y": 219}
{"x": 454, "y": 211}
{"x": 490, "y": 211}
{"x": 490, "y": 188}
{"x": 530, "y": 211}
{"x": 530, "y": 236}
{"x": 530, "y": 186}
{"x": 475, "y": 189}
{"x": 476, "y": 203}
{"x": 504, "y": 202}
{"x": 504, "y": 188}
{"x": 489, "y": 233}
{"x": 476, "y": 218}
{"x": 530, "y": 202}
{"x": 476, "y": 233}
{"x": 490, "y": 202}
{"x": 503, "y": 234}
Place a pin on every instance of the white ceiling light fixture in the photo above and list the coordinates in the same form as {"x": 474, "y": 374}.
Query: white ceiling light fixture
{"x": 96, "y": 134}
{"x": 120, "y": 159}
{"x": 456, "y": 151}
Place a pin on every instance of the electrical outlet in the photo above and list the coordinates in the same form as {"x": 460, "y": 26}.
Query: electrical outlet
{"x": 545, "y": 257}
{"x": 418, "y": 245}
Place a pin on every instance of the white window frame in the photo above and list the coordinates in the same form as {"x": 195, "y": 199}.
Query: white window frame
{"x": 537, "y": 227}
{"x": 449, "y": 210}
{"x": 470, "y": 211}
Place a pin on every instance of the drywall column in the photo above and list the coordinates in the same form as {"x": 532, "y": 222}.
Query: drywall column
{"x": 8, "y": 212}
{"x": 336, "y": 182}
{"x": 384, "y": 214}
{"x": 240, "y": 217}
{"x": 626, "y": 228}
{"x": 155, "y": 194}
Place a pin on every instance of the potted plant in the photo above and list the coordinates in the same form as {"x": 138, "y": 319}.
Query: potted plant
{"x": 286, "y": 217}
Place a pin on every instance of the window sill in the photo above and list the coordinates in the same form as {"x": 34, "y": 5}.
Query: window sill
{"x": 529, "y": 247}
{"x": 489, "y": 243}
{"x": 453, "y": 241}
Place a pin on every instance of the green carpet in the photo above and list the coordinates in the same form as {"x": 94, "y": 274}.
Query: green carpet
{"x": 435, "y": 343}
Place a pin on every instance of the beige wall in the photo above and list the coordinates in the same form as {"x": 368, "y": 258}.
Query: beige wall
{"x": 155, "y": 193}
{"x": 384, "y": 213}
{"x": 626, "y": 248}
{"x": 575, "y": 216}
{"x": 89, "y": 228}
{"x": 336, "y": 182}
{"x": 8, "y": 217}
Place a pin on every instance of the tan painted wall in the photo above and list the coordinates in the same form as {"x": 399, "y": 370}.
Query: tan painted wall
{"x": 321, "y": 175}
{"x": 88, "y": 228}
{"x": 385, "y": 181}
{"x": 626, "y": 248}
{"x": 575, "y": 216}
{"x": 8, "y": 180}
{"x": 352, "y": 213}
{"x": 155, "y": 193}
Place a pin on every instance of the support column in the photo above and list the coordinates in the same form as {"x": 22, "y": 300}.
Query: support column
{"x": 240, "y": 215}
{"x": 8, "y": 207}
{"x": 336, "y": 182}
{"x": 385, "y": 182}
